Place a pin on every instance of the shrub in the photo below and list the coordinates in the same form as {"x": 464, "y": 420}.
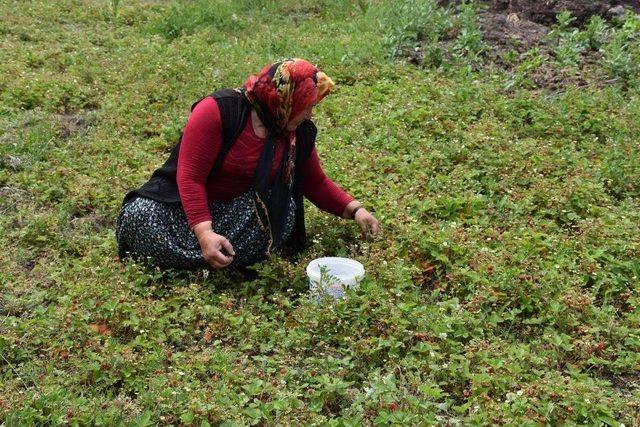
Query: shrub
{"x": 469, "y": 42}
{"x": 568, "y": 42}
{"x": 622, "y": 53}
{"x": 188, "y": 17}
{"x": 415, "y": 24}
{"x": 428, "y": 33}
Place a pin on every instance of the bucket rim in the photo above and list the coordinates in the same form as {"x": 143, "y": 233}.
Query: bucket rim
{"x": 314, "y": 272}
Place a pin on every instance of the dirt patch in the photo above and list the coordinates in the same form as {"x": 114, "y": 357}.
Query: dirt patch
{"x": 504, "y": 32}
{"x": 557, "y": 80}
{"x": 91, "y": 222}
{"x": 34, "y": 266}
{"x": 545, "y": 11}
{"x": 512, "y": 27}
{"x": 625, "y": 384}
{"x": 73, "y": 124}
{"x": 522, "y": 24}
{"x": 13, "y": 163}
{"x": 11, "y": 198}
{"x": 519, "y": 25}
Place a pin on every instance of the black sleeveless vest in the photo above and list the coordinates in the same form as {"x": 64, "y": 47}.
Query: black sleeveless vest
{"x": 234, "y": 113}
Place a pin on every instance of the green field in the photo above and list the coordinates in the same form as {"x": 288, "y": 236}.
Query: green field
{"x": 504, "y": 289}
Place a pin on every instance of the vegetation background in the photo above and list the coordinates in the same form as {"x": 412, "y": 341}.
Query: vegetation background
{"x": 506, "y": 177}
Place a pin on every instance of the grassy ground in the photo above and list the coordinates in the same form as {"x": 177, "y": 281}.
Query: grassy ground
{"x": 505, "y": 289}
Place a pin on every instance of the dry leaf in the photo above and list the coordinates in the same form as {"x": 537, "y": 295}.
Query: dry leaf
{"x": 100, "y": 328}
{"x": 427, "y": 267}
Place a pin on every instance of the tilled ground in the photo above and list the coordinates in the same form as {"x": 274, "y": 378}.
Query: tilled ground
{"x": 519, "y": 25}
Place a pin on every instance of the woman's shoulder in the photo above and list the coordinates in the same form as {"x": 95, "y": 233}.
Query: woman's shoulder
{"x": 207, "y": 103}
{"x": 206, "y": 110}
{"x": 204, "y": 119}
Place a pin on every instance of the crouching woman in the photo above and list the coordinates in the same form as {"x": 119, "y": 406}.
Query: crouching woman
{"x": 232, "y": 189}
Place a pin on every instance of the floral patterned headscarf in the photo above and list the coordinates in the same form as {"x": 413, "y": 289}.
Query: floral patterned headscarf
{"x": 279, "y": 93}
{"x": 283, "y": 89}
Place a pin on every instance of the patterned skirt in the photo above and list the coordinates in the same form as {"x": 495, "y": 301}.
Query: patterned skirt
{"x": 158, "y": 233}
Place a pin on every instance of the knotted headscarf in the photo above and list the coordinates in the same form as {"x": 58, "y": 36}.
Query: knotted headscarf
{"x": 279, "y": 93}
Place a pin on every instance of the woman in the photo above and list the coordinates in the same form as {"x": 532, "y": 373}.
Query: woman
{"x": 232, "y": 189}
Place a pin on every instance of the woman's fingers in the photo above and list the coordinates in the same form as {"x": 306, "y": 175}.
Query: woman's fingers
{"x": 222, "y": 259}
{"x": 214, "y": 247}
{"x": 219, "y": 261}
{"x": 213, "y": 261}
{"x": 226, "y": 244}
{"x": 372, "y": 226}
{"x": 375, "y": 227}
{"x": 363, "y": 227}
{"x": 216, "y": 265}
{"x": 368, "y": 223}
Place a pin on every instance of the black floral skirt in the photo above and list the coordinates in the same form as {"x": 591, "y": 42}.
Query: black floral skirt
{"x": 158, "y": 233}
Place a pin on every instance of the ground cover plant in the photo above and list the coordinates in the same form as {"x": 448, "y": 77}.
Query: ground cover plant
{"x": 503, "y": 291}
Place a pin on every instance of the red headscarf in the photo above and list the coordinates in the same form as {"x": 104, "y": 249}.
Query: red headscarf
{"x": 284, "y": 89}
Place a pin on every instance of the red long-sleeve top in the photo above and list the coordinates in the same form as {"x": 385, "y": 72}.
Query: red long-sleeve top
{"x": 201, "y": 141}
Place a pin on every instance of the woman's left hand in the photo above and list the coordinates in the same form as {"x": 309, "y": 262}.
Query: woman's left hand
{"x": 367, "y": 222}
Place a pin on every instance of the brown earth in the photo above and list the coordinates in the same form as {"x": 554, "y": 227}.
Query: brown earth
{"x": 11, "y": 197}
{"x": 522, "y": 24}
{"x": 544, "y": 11}
{"x": 72, "y": 124}
{"x": 519, "y": 25}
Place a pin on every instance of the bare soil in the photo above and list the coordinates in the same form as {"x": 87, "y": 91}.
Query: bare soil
{"x": 519, "y": 25}
{"x": 11, "y": 197}
{"x": 72, "y": 124}
{"x": 545, "y": 11}
{"x": 522, "y": 24}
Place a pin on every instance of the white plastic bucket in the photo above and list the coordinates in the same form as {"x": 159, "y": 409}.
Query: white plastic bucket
{"x": 331, "y": 275}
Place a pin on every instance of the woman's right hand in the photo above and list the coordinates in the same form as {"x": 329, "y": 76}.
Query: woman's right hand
{"x": 213, "y": 245}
